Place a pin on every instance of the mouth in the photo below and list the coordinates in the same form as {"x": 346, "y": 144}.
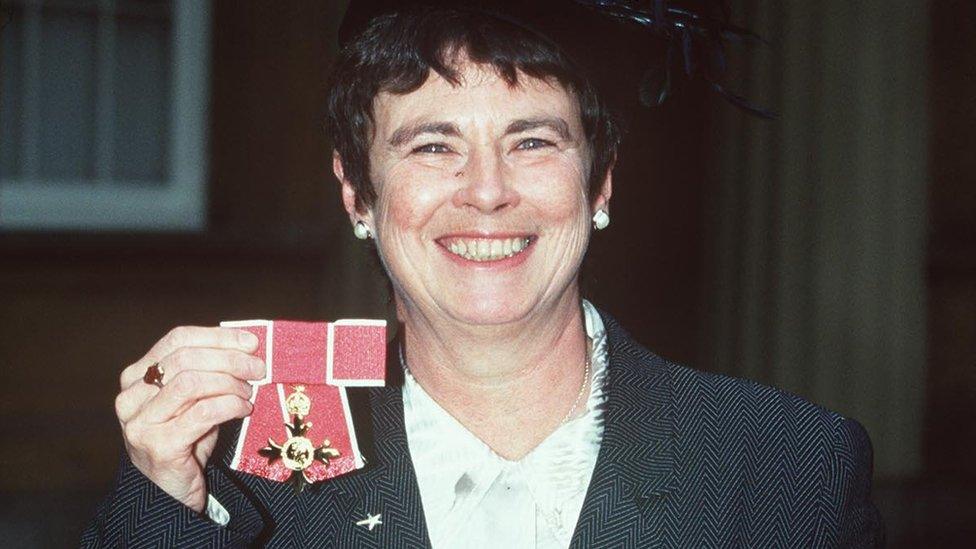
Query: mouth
{"x": 483, "y": 249}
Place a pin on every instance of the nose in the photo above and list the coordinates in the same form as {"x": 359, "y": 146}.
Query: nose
{"x": 486, "y": 184}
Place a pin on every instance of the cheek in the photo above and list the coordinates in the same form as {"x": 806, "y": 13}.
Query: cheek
{"x": 560, "y": 191}
{"x": 406, "y": 204}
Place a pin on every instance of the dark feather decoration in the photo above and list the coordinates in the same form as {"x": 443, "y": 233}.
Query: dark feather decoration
{"x": 695, "y": 45}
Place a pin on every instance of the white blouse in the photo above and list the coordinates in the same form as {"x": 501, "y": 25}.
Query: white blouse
{"x": 473, "y": 497}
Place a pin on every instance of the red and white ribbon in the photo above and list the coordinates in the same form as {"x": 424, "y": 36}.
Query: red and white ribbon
{"x": 325, "y": 358}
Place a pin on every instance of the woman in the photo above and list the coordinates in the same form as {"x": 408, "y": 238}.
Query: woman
{"x": 478, "y": 157}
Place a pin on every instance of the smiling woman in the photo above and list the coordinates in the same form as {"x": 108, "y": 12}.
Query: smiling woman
{"x": 524, "y": 159}
{"x": 478, "y": 155}
{"x": 438, "y": 42}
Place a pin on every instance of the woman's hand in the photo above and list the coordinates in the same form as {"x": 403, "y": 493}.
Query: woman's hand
{"x": 170, "y": 432}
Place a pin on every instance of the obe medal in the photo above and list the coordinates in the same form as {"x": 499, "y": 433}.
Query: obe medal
{"x": 298, "y": 452}
{"x": 309, "y": 366}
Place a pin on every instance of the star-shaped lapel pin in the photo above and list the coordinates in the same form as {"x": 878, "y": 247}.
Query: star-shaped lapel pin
{"x": 371, "y": 521}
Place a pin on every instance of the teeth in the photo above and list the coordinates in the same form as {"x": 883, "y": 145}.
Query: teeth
{"x": 487, "y": 249}
{"x": 496, "y": 249}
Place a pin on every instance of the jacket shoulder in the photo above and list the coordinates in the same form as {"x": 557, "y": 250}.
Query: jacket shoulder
{"x": 704, "y": 399}
{"x": 796, "y": 474}
{"x": 748, "y": 403}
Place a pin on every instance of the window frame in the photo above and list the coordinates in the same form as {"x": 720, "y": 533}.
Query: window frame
{"x": 177, "y": 203}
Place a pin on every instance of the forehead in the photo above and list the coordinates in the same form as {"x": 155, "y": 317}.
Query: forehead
{"x": 481, "y": 97}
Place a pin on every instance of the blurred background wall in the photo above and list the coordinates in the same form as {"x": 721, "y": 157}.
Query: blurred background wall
{"x": 162, "y": 163}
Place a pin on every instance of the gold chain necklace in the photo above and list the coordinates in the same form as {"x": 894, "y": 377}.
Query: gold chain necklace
{"x": 579, "y": 396}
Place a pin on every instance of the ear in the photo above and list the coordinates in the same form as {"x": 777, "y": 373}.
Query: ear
{"x": 602, "y": 199}
{"x": 348, "y": 191}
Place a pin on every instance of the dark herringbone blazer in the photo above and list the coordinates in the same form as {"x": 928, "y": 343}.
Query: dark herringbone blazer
{"x": 688, "y": 460}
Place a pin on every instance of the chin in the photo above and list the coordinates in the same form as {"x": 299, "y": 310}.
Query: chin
{"x": 490, "y": 312}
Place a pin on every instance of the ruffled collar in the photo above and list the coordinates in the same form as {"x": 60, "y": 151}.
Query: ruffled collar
{"x": 455, "y": 469}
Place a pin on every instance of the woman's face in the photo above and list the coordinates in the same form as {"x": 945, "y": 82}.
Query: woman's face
{"x": 482, "y": 214}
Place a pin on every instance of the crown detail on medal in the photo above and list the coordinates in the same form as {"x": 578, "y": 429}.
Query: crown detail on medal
{"x": 298, "y": 403}
{"x": 298, "y": 452}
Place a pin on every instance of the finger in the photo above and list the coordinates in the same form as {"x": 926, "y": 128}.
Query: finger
{"x": 187, "y": 387}
{"x": 130, "y": 401}
{"x": 200, "y": 336}
{"x": 204, "y": 415}
{"x": 191, "y": 336}
{"x": 231, "y": 361}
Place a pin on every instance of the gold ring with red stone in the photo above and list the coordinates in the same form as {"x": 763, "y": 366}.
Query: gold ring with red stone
{"x": 154, "y": 375}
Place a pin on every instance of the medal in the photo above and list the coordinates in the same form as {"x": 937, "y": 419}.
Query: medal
{"x": 298, "y": 452}
{"x": 310, "y": 365}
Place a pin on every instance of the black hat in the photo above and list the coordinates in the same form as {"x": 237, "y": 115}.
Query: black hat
{"x": 629, "y": 49}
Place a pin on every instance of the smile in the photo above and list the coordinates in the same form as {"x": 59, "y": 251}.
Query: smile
{"x": 486, "y": 249}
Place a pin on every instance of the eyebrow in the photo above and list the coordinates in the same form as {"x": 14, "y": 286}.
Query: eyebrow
{"x": 407, "y": 133}
{"x": 553, "y": 123}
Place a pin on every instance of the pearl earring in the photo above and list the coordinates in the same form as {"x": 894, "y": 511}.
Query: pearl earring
{"x": 361, "y": 230}
{"x": 601, "y": 219}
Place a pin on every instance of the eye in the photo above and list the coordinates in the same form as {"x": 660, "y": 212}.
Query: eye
{"x": 432, "y": 148}
{"x": 533, "y": 143}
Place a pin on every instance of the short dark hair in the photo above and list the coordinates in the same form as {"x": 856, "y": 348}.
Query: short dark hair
{"x": 396, "y": 53}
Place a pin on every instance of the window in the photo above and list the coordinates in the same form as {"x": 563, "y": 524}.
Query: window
{"x": 103, "y": 114}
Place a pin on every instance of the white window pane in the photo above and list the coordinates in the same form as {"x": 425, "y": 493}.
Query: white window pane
{"x": 11, "y": 89}
{"x": 111, "y": 97}
{"x": 142, "y": 90}
{"x": 67, "y": 102}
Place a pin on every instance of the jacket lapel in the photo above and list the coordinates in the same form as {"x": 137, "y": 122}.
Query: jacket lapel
{"x": 387, "y": 485}
{"x": 627, "y": 502}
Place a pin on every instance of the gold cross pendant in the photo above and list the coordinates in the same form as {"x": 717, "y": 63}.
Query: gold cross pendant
{"x": 298, "y": 453}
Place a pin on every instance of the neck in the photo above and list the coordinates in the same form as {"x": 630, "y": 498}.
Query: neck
{"x": 510, "y": 385}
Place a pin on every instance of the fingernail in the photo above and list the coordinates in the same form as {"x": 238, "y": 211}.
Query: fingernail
{"x": 260, "y": 370}
{"x": 247, "y": 339}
